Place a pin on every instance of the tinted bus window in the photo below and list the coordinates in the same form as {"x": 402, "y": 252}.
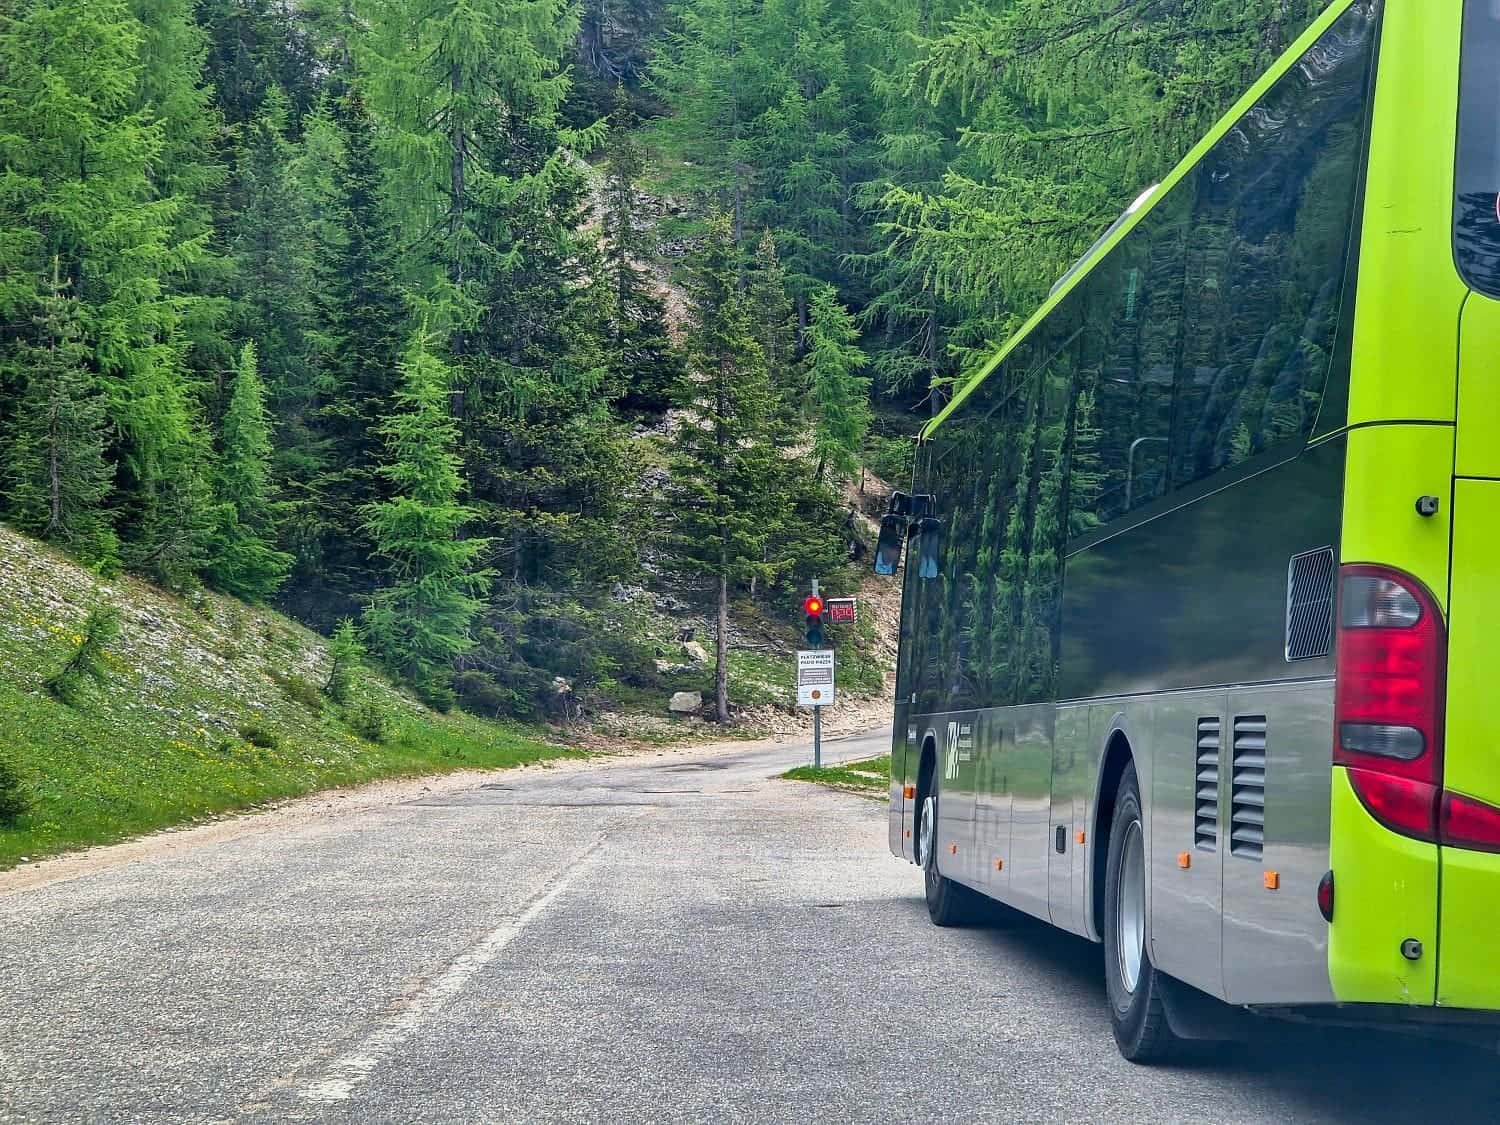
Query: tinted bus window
{"x": 1477, "y": 225}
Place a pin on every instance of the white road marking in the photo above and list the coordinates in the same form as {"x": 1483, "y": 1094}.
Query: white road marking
{"x": 345, "y": 1073}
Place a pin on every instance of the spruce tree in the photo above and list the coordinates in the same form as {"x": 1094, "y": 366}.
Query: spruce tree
{"x": 725, "y": 463}
{"x": 838, "y": 396}
{"x": 272, "y": 249}
{"x": 644, "y": 363}
{"x": 243, "y": 560}
{"x": 362, "y": 318}
{"x": 55, "y": 472}
{"x": 420, "y": 620}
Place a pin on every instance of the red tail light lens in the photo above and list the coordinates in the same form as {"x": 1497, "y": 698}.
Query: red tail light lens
{"x": 1468, "y": 823}
{"x": 1388, "y": 713}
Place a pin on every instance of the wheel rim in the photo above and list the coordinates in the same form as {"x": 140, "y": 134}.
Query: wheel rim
{"x": 1130, "y": 907}
{"x": 924, "y": 834}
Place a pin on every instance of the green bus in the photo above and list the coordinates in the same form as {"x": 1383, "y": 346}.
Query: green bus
{"x": 1202, "y": 594}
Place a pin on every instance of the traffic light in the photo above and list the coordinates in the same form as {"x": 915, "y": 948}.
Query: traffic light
{"x": 812, "y": 605}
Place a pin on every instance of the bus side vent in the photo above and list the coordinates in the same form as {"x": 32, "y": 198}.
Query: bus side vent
{"x": 1206, "y": 801}
{"x": 1309, "y": 605}
{"x": 1247, "y": 816}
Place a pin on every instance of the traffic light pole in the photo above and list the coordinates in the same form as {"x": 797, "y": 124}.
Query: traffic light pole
{"x": 817, "y": 713}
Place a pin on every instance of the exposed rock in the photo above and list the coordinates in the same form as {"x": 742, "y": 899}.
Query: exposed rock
{"x": 695, "y": 652}
{"x": 686, "y": 703}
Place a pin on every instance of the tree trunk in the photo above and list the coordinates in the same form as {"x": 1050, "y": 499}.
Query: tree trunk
{"x": 721, "y": 662}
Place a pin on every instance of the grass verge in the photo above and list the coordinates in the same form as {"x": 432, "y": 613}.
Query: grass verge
{"x": 870, "y": 777}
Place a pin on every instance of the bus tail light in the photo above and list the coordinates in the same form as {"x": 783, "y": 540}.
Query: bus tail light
{"x": 1472, "y": 824}
{"x": 1388, "y": 710}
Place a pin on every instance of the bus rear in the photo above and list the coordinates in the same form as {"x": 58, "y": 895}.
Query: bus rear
{"x": 1414, "y": 890}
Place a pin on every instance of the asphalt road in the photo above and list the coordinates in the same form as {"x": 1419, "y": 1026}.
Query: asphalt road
{"x": 675, "y": 939}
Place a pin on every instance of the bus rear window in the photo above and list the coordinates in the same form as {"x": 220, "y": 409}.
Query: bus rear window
{"x": 1476, "y": 237}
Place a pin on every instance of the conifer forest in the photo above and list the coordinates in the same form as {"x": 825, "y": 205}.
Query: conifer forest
{"x": 443, "y": 321}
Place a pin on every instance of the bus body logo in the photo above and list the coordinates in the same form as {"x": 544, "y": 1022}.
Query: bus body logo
{"x": 950, "y": 767}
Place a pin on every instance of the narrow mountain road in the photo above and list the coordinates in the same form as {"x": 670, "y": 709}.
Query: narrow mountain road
{"x": 675, "y": 938}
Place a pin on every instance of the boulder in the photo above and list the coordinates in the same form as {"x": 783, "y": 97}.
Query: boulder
{"x": 695, "y": 652}
{"x": 686, "y": 703}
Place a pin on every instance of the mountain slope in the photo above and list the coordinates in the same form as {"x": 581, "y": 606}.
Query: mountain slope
{"x": 208, "y": 705}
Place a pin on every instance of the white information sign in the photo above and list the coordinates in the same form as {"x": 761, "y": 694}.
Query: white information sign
{"x": 815, "y": 677}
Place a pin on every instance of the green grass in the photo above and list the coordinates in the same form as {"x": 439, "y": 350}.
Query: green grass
{"x": 207, "y": 707}
{"x": 871, "y": 776}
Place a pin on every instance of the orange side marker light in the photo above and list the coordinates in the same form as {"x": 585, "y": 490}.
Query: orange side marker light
{"x": 909, "y": 792}
{"x": 953, "y": 849}
{"x": 999, "y": 865}
{"x": 1184, "y": 860}
{"x": 1080, "y": 837}
{"x": 1272, "y": 880}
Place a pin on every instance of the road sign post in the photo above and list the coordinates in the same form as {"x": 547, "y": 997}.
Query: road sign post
{"x": 815, "y": 689}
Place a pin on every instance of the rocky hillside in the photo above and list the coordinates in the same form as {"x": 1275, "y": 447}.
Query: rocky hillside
{"x": 205, "y": 705}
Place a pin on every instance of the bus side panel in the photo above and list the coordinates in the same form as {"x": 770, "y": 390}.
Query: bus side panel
{"x": 1026, "y": 773}
{"x": 957, "y": 778}
{"x": 1186, "y": 868}
{"x": 1275, "y": 940}
{"x": 1196, "y": 598}
{"x": 992, "y": 807}
{"x": 1074, "y": 768}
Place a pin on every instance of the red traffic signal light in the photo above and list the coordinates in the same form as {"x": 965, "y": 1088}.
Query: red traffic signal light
{"x": 812, "y": 605}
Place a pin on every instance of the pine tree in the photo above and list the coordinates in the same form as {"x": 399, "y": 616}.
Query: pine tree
{"x": 55, "y": 472}
{"x": 724, "y": 460}
{"x": 243, "y": 561}
{"x": 644, "y": 363}
{"x": 839, "y": 397}
{"x": 420, "y": 621}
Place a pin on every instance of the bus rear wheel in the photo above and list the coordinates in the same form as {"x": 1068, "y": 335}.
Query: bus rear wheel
{"x": 1137, "y": 1011}
{"x": 948, "y": 903}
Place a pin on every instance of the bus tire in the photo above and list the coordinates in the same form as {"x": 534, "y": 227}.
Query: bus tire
{"x": 1137, "y": 1012}
{"x": 948, "y": 903}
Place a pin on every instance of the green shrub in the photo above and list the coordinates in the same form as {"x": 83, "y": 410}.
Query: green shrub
{"x": 369, "y": 718}
{"x": 891, "y": 458}
{"x": 15, "y": 797}
{"x": 348, "y": 653}
{"x": 479, "y": 694}
{"x": 87, "y": 661}
{"x": 299, "y": 690}
{"x": 257, "y": 735}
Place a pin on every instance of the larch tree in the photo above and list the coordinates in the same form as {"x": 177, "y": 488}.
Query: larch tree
{"x": 79, "y": 147}
{"x": 838, "y": 395}
{"x": 445, "y": 78}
